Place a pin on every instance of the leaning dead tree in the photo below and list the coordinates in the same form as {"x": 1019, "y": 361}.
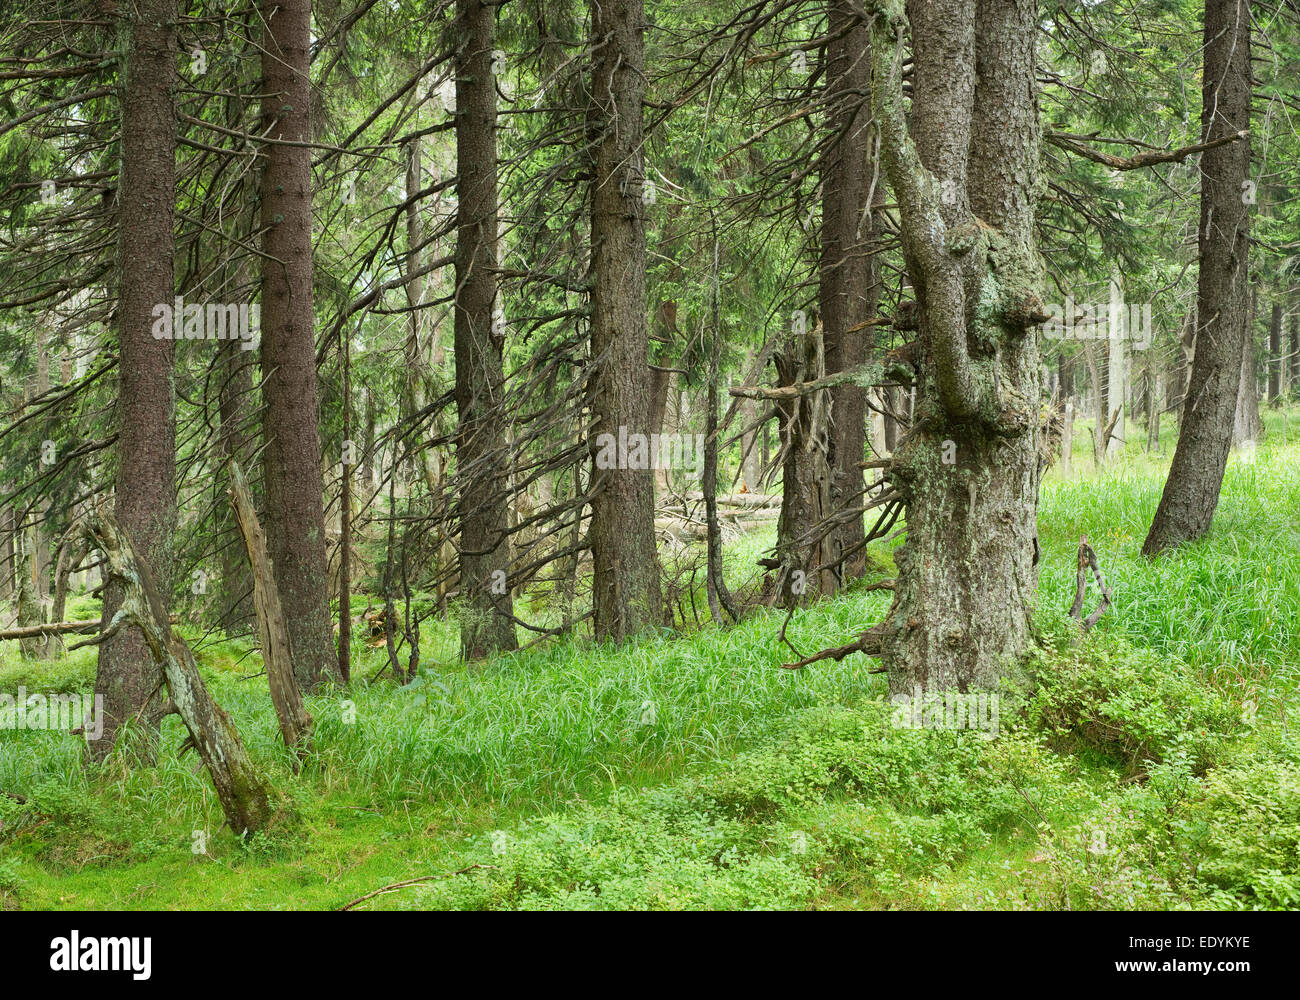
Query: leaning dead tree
{"x": 243, "y": 792}
{"x": 277, "y": 654}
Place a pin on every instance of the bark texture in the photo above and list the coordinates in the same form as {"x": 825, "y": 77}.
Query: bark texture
{"x": 1191, "y": 491}
{"x": 145, "y": 489}
{"x": 626, "y": 591}
{"x": 482, "y": 456}
{"x": 1275, "y": 354}
{"x": 849, "y": 276}
{"x": 295, "y": 517}
{"x": 966, "y": 179}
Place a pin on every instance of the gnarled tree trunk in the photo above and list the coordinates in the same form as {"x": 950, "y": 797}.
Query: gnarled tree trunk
{"x": 966, "y": 180}
{"x": 244, "y": 795}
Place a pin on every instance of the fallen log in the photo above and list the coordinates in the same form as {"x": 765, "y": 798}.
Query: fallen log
{"x": 758, "y": 500}
{"x": 52, "y": 628}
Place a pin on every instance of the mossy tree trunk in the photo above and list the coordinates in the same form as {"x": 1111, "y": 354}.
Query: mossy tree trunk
{"x": 966, "y": 179}
{"x": 244, "y": 794}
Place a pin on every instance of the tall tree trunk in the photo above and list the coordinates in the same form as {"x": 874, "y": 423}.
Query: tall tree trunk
{"x": 237, "y": 442}
{"x": 1116, "y": 370}
{"x": 1295, "y": 354}
{"x": 29, "y": 612}
{"x": 1097, "y": 381}
{"x": 966, "y": 180}
{"x": 128, "y": 677}
{"x": 1246, "y": 425}
{"x": 1275, "y": 355}
{"x": 849, "y": 275}
{"x": 1153, "y": 407}
{"x": 661, "y": 382}
{"x": 8, "y": 551}
{"x": 347, "y": 475}
{"x": 413, "y": 396}
{"x": 803, "y": 546}
{"x": 482, "y": 455}
{"x": 750, "y": 448}
{"x": 368, "y": 463}
{"x": 40, "y": 529}
{"x": 1191, "y": 492}
{"x": 295, "y": 514}
{"x": 626, "y": 594}
{"x": 1181, "y": 373}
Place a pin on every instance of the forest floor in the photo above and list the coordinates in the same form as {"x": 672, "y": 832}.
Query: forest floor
{"x": 1149, "y": 765}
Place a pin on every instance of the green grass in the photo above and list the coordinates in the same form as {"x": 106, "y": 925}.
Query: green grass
{"x": 694, "y": 772}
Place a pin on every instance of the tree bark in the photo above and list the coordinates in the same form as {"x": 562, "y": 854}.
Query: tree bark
{"x": 626, "y": 594}
{"x": 347, "y": 475}
{"x": 1295, "y": 354}
{"x": 36, "y": 644}
{"x": 1117, "y": 369}
{"x": 291, "y": 466}
{"x": 413, "y": 395}
{"x": 237, "y": 441}
{"x": 1246, "y": 425}
{"x": 482, "y": 455}
{"x": 145, "y": 490}
{"x": 1275, "y": 355}
{"x": 1191, "y": 491}
{"x": 801, "y": 547}
{"x": 849, "y": 275}
{"x": 966, "y": 180}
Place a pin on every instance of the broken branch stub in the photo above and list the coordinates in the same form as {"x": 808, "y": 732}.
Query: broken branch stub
{"x": 1087, "y": 561}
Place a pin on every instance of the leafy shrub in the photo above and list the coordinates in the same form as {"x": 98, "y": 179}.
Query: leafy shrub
{"x": 1133, "y": 708}
{"x": 1241, "y": 835}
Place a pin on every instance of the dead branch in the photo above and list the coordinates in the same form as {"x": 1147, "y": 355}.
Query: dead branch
{"x": 1088, "y": 560}
{"x": 1138, "y": 160}
{"x": 867, "y": 642}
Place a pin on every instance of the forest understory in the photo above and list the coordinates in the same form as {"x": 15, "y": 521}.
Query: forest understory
{"x": 1148, "y": 764}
